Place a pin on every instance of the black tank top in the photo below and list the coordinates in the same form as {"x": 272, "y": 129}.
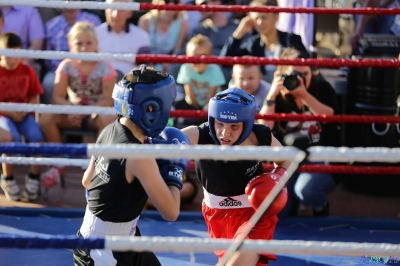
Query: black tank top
{"x": 229, "y": 178}
{"x": 111, "y": 197}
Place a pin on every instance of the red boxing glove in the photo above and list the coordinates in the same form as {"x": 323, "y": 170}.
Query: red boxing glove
{"x": 260, "y": 186}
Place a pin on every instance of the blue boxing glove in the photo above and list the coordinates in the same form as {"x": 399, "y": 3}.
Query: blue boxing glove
{"x": 172, "y": 170}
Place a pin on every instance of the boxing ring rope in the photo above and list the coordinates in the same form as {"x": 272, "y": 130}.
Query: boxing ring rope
{"x": 187, "y": 244}
{"x": 211, "y": 152}
{"x": 202, "y": 8}
{"x": 308, "y": 168}
{"x": 88, "y": 110}
{"x": 220, "y": 60}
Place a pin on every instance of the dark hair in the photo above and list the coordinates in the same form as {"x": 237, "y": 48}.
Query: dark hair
{"x": 144, "y": 74}
{"x": 291, "y": 53}
{"x": 1, "y": 16}
{"x": 10, "y": 40}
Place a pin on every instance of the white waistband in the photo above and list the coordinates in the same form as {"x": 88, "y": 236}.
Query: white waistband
{"x": 221, "y": 202}
{"x": 93, "y": 226}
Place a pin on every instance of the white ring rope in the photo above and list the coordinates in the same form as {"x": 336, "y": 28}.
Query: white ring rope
{"x": 84, "y": 163}
{"x": 60, "y": 55}
{"x": 187, "y": 244}
{"x": 57, "y": 109}
{"x": 212, "y": 152}
{"x": 73, "y": 4}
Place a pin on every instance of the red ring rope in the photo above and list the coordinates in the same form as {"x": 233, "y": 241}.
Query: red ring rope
{"x": 272, "y": 9}
{"x": 360, "y": 119}
{"x": 336, "y": 169}
{"x": 228, "y": 60}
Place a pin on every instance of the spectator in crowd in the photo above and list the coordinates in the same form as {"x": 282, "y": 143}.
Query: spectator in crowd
{"x": 200, "y": 81}
{"x": 217, "y": 26}
{"x": 56, "y": 40}
{"x": 249, "y": 79}
{"x": 373, "y": 24}
{"x": 19, "y": 85}
{"x": 25, "y": 21}
{"x": 47, "y": 13}
{"x": 268, "y": 42}
{"x": 85, "y": 83}
{"x": 167, "y": 30}
{"x": 193, "y": 17}
{"x": 308, "y": 93}
{"x": 116, "y": 35}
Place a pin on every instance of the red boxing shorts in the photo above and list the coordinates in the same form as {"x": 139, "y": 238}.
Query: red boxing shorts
{"x": 232, "y": 223}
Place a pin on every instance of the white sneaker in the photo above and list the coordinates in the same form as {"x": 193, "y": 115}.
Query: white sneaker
{"x": 11, "y": 189}
{"x": 32, "y": 188}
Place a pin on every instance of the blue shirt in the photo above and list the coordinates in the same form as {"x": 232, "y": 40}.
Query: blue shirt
{"x": 200, "y": 83}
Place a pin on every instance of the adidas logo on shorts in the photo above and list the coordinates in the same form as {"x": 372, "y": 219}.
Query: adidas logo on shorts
{"x": 230, "y": 202}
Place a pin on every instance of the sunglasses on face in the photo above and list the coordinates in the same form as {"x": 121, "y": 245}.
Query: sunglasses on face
{"x": 172, "y": 2}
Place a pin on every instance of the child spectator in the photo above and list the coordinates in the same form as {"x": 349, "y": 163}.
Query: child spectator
{"x": 200, "y": 81}
{"x": 56, "y": 39}
{"x": 85, "y": 83}
{"x": 249, "y": 79}
{"x": 19, "y": 85}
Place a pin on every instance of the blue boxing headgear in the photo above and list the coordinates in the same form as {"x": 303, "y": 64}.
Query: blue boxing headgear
{"x": 133, "y": 99}
{"x": 231, "y": 106}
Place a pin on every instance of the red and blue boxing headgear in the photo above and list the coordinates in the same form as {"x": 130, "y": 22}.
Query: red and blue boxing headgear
{"x": 133, "y": 99}
{"x": 231, "y": 106}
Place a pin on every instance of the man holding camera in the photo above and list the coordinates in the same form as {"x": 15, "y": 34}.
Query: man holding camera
{"x": 300, "y": 90}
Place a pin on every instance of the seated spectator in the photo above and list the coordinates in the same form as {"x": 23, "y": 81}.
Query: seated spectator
{"x": 167, "y": 30}
{"x": 217, "y": 26}
{"x": 249, "y": 79}
{"x": 25, "y": 21}
{"x": 56, "y": 40}
{"x": 268, "y": 42}
{"x": 200, "y": 81}
{"x": 116, "y": 35}
{"x": 309, "y": 93}
{"x": 372, "y": 24}
{"x": 84, "y": 83}
{"x": 47, "y": 13}
{"x": 19, "y": 85}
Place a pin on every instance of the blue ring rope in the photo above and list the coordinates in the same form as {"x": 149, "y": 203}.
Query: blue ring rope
{"x": 56, "y": 242}
{"x": 43, "y": 149}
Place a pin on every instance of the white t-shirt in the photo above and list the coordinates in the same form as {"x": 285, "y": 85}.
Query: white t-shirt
{"x": 136, "y": 40}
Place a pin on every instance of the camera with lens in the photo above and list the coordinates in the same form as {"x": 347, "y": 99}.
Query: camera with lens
{"x": 291, "y": 82}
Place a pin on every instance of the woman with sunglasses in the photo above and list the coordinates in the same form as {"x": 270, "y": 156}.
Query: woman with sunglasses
{"x": 266, "y": 40}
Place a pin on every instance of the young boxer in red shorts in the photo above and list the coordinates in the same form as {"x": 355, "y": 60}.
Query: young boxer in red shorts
{"x": 234, "y": 189}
